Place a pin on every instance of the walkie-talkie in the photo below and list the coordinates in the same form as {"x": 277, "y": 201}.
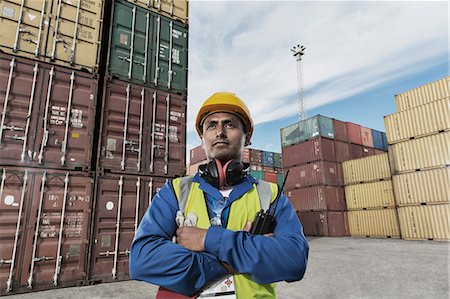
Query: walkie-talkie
{"x": 265, "y": 222}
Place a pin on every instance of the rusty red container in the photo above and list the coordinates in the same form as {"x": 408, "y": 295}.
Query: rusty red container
{"x": 143, "y": 131}
{"x": 245, "y": 156}
{"x": 366, "y": 137}
{"x": 359, "y": 151}
{"x": 340, "y": 130}
{"x": 309, "y": 151}
{"x": 51, "y": 211}
{"x": 354, "y": 133}
{"x": 318, "y": 198}
{"x": 342, "y": 151}
{"x": 121, "y": 201}
{"x": 255, "y": 157}
{"x": 268, "y": 169}
{"x": 49, "y": 115}
{"x": 271, "y": 177}
{"x": 312, "y": 174}
{"x": 197, "y": 154}
{"x": 324, "y": 223}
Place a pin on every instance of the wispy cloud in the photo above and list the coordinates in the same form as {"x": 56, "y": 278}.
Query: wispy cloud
{"x": 244, "y": 46}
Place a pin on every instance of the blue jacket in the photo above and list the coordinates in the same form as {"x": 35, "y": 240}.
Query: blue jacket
{"x": 155, "y": 259}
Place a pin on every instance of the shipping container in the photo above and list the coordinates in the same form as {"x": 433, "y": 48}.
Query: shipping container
{"x": 429, "y": 186}
{"x": 259, "y": 175}
{"x": 317, "y": 198}
{"x": 420, "y": 121}
{"x": 366, "y": 137}
{"x": 121, "y": 201}
{"x": 310, "y": 128}
{"x": 423, "y": 222}
{"x": 147, "y": 48}
{"x": 436, "y": 90}
{"x": 278, "y": 160}
{"x": 256, "y": 157}
{"x": 359, "y": 151}
{"x": 271, "y": 177}
{"x": 311, "y": 174}
{"x": 319, "y": 149}
{"x": 324, "y": 223}
{"x": 143, "y": 130}
{"x": 354, "y": 133}
{"x": 192, "y": 169}
{"x": 374, "y": 223}
{"x": 342, "y": 150}
{"x": 422, "y": 153}
{"x": 245, "y": 156}
{"x": 45, "y": 220}
{"x": 373, "y": 168}
{"x": 370, "y": 195}
{"x": 197, "y": 154}
{"x": 174, "y": 9}
{"x": 256, "y": 168}
{"x": 280, "y": 179}
{"x": 378, "y": 142}
{"x": 66, "y": 33}
{"x": 48, "y": 115}
{"x": 267, "y": 159}
{"x": 340, "y": 130}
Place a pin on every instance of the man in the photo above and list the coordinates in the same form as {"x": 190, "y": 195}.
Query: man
{"x": 221, "y": 201}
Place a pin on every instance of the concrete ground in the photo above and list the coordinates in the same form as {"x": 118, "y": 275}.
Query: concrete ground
{"x": 338, "y": 268}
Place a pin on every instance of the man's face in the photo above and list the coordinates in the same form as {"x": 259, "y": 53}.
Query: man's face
{"x": 223, "y": 136}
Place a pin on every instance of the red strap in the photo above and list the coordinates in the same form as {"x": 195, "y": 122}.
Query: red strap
{"x": 164, "y": 293}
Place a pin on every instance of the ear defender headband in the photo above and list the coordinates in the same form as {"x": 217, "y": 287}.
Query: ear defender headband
{"x": 229, "y": 174}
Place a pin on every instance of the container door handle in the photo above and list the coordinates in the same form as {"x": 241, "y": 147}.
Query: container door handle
{"x": 61, "y": 229}
{"x": 116, "y": 245}
{"x": 12, "y": 64}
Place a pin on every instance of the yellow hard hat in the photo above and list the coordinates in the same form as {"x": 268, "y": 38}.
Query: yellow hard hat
{"x": 224, "y": 102}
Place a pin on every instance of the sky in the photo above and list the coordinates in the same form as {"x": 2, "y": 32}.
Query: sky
{"x": 359, "y": 55}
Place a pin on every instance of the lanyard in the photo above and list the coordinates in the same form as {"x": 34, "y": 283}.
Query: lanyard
{"x": 218, "y": 214}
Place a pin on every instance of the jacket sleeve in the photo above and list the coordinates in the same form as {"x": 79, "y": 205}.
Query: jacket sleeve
{"x": 154, "y": 258}
{"x": 285, "y": 254}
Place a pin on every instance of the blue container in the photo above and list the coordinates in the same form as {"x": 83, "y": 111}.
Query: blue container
{"x": 267, "y": 159}
{"x": 307, "y": 129}
{"x": 378, "y": 141}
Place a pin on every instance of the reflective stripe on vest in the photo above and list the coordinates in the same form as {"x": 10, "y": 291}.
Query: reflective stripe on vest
{"x": 242, "y": 210}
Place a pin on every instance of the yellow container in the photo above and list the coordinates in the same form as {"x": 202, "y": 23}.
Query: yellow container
{"x": 174, "y": 9}
{"x": 421, "y": 153}
{"x": 374, "y": 223}
{"x": 368, "y": 169}
{"x": 425, "y": 222}
{"x": 72, "y": 41}
{"x": 433, "y": 91}
{"x": 430, "y": 186}
{"x": 370, "y": 195}
{"x": 419, "y": 121}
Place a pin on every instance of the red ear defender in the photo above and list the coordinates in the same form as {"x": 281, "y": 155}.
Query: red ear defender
{"x": 220, "y": 171}
{"x": 227, "y": 175}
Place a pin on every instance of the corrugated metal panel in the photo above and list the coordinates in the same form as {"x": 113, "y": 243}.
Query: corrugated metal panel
{"x": 378, "y": 141}
{"x": 324, "y": 223}
{"x": 51, "y": 136}
{"x": 425, "y": 222}
{"x": 157, "y": 47}
{"x": 74, "y": 38}
{"x": 153, "y": 125}
{"x": 271, "y": 177}
{"x": 197, "y": 154}
{"x": 367, "y": 169}
{"x": 121, "y": 201}
{"x": 421, "y": 153}
{"x": 307, "y": 129}
{"x": 340, "y": 130}
{"x": 278, "y": 160}
{"x": 255, "y": 157}
{"x": 311, "y": 174}
{"x": 280, "y": 179}
{"x": 354, "y": 133}
{"x": 175, "y": 9}
{"x": 358, "y": 151}
{"x": 193, "y": 168}
{"x": 374, "y": 223}
{"x": 317, "y": 198}
{"x": 419, "y": 121}
{"x": 436, "y": 90}
{"x": 267, "y": 159}
{"x": 309, "y": 151}
{"x": 366, "y": 136}
{"x": 370, "y": 195}
{"x": 245, "y": 156}
{"x": 258, "y": 174}
{"x": 342, "y": 151}
{"x": 430, "y": 186}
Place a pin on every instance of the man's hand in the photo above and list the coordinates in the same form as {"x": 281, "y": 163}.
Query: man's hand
{"x": 193, "y": 238}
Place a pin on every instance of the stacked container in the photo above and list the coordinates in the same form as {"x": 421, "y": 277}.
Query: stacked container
{"x": 370, "y": 197}
{"x": 313, "y": 150}
{"x": 419, "y": 143}
{"x": 263, "y": 165}
{"x": 142, "y": 138}
{"x": 49, "y": 64}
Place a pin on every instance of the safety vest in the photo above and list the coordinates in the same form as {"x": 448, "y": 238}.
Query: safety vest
{"x": 190, "y": 200}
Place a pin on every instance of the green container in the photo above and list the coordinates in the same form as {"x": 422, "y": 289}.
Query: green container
{"x": 307, "y": 129}
{"x": 257, "y": 174}
{"x": 278, "y": 162}
{"x": 280, "y": 179}
{"x": 156, "y": 45}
